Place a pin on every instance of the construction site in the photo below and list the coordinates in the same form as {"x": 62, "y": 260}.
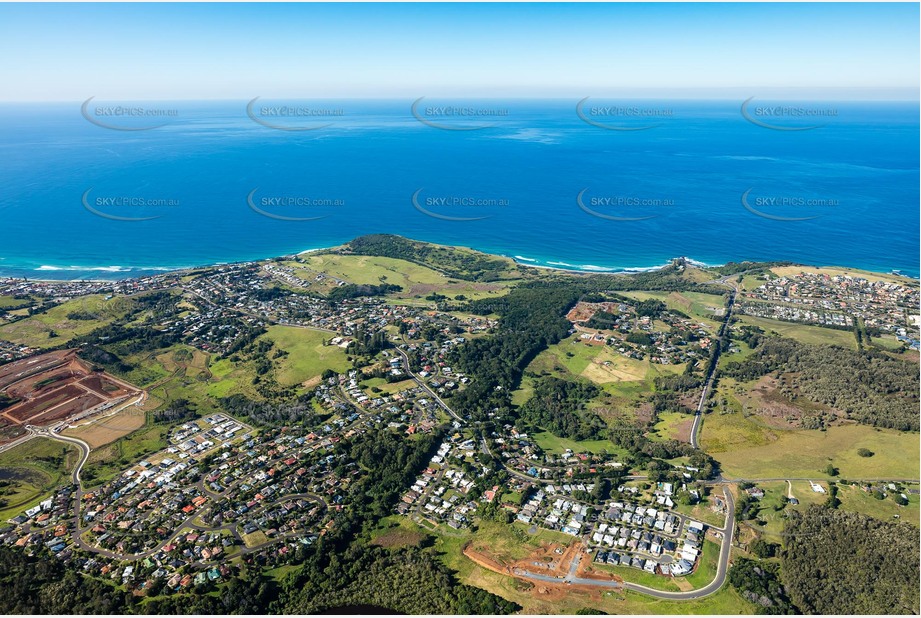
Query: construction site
{"x": 56, "y": 389}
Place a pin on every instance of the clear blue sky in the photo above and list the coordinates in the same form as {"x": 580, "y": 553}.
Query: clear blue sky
{"x": 238, "y": 51}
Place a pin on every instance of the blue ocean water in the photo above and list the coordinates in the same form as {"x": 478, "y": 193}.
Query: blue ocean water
{"x": 527, "y": 179}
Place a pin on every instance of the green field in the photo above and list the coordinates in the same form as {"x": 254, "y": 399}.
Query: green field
{"x": 803, "y": 333}
{"x": 183, "y": 372}
{"x": 385, "y": 387}
{"x": 32, "y": 469}
{"x": 670, "y": 425}
{"x": 35, "y": 330}
{"x": 416, "y": 281}
{"x": 702, "y": 511}
{"x": 524, "y": 391}
{"x": 555, "y": 445}
{"x": 855, "y": 499}
{"x": 747, "y": 449}
{"x": 743, "y": 353}
{"x": 8, "y": 303}
{"x": 307, "y": 356}
{"x": 599, "y": 364}
{"x": 706, "y": 567}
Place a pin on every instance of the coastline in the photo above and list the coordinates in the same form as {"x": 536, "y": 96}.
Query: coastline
{"x": 522, "y": 261}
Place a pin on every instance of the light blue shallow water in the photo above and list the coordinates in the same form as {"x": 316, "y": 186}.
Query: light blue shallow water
{"x": 211, "y": 170}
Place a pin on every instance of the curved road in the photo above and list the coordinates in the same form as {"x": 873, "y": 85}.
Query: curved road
{"x": 722, "y": 568}
{"x": 186, "y": 524}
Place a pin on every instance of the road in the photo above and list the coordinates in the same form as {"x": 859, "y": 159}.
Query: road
{"x": 711, "y": 373}
{"x": 17, "y": 442}
{"x": 722, "y": 567}
{"x": 187, "y": 524}
{"x": 426, "y": 388}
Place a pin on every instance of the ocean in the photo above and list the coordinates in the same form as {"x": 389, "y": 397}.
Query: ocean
{"x": 112, "y": 191}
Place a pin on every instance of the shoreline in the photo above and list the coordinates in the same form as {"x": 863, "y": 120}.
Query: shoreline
{"x": 521, "y": 261}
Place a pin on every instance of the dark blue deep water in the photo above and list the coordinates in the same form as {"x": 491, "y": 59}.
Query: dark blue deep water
{"x": 509, "y": 188}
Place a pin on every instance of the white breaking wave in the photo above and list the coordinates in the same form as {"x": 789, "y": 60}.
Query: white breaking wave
{"x": 109, "y": 269}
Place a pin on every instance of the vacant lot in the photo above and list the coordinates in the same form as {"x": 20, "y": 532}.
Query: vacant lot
{"x": 307, "y": 356}
{"x": 107, "y": 429}
{"x": 398, "y": 533}
{"x": 556, "y": 445}
{"x": 748, "y": 449}
{"x": 599, "y": 364}
{"x": 34, "y": 468}
{"x": 803, "y": 333}
{"x": 108, "y": 461}
{"x": 674, "y": 426}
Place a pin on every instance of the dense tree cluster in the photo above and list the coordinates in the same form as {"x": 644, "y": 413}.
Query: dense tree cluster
{"x": 298, "y": 411}
{"x": 411, "y": 580}
{"x": 879, "y": 390}
{"x": 458, "y": 264}
{"x": 125, "y": 340}
{"x": 344, "y": 569}
{"x": 759, "y": 582}
{"x": 532, "y": 319}
{"x": 650, "y": 308}
{"x": 733, "y": 268}
{"x": 352, "y": 290}
{"x": 176, "y": 412}
{"x": 368, "y": 344}
{"x": 834, "y": 562}
{"x": 558, "y": 406}
{"x": 42, "y": 585}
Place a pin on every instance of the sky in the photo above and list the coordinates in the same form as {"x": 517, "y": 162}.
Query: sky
{"x": 175, "y": 51}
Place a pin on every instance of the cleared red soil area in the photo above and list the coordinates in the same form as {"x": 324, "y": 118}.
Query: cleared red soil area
{"x": 583, "y": 311}
{"x": 72, "y": 407}
{"x": 17, "y": 370}
{"x": 102, "y": 386}
{"x": 28, "y": 409}
{"x": 54, "y": 387}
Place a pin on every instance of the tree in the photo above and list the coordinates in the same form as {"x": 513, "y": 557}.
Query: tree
{"x": 840, "y": 562}
{"x": 865, "y": 452}
{"x": 763, "y": 549}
